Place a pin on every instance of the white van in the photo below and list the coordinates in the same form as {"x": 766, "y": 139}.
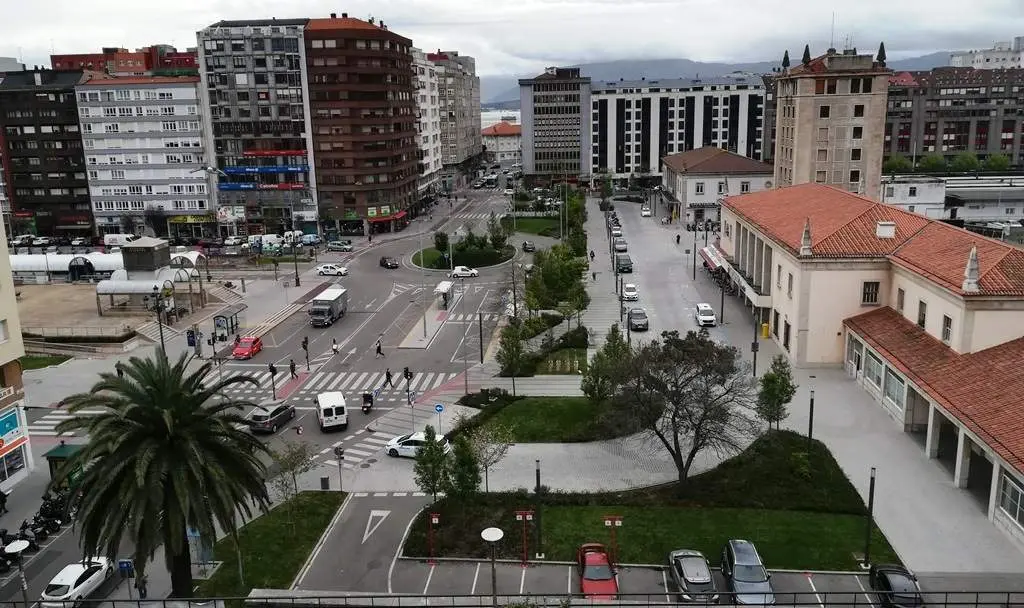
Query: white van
{"x": 118, "y": 240}
{"x": 331, "y": 411}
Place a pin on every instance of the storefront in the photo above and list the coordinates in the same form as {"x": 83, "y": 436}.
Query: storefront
{"x": 15, "y": 454}
{"x": 231, "y": 220}
{"x": 382, "y": 220}
{"x": 191, "y": 226}
{"x": 74, "y": 224}
{"x": 24, "y": 222}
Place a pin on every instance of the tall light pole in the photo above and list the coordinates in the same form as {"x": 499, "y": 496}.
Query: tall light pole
{"x": 491, "y": 536}
{"x": 423, "y": 286}
{"x": 295, "y": 253}
{"x": 159, "y": 298}
{"x": 465, "y": 356}
{"x": 17, "y": 547}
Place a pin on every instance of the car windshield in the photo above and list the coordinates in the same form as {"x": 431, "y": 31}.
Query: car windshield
{"x": 57, "y": 590}
{"x": 638, "y": 314}
{"x": 402, "y": 438}
{"x": 749, "y": 574}
{"x": 597, "y": 572}
{"x": 247, "y": 342}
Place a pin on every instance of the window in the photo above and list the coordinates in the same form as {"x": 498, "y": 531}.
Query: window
{"x": 789, "y": 286}
{"x": 117, "y": 174}
{"x": 820, "y": 176}
{"x": 778, "y": 276}
{"x": 744, "y": 187}
{"x": 699, "y": 187}
{"x": 873, "y": 370}
{"x": 869, "y": 292}
{"x": 242, "y": 80}
{"x": 900, "y": 298}
{"x": 822, "y": 155}
{"x": 947, "y": 329}
{"x": 893, "y": 388}
{"x": 855, "y": 154}
{"x": 721, "y": 187}
{"x": 855, "y": 176}
{"x": 922, "y": 313}
{"x": 858, "y": 132}
{"x": 1011, "y": 497}
{"x": 830, "y": 86}
{"x": 824, "y": 111}
{"x": 912, "y": 192}
{"x": 823, "y": 134}
{"x": 858, "y": 111}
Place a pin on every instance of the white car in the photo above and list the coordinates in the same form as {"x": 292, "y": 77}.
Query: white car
{"x": 41, "y": 241}
{"x": 645, "y": 212}
{"x": 79, "y": 242}
{"x": 616, "y": 232}
{"x": 332, "y": 270}
{"x": 461, "y": 272}
{"x": 233, "y": 241}
{"x": 407, "y": 446}
{"x": 509, "y": 191}
{"x": 705, "y": 315}
{"x": 76, "y": 582}
{"x": 630, "y": 293}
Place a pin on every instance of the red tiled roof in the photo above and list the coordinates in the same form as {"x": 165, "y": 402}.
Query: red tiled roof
{"x": 981, "y": 389}
{"x": 502, "y": 129}
{"x": 343, "y": 23}
{"x": 820, "y": 65}
{"x": 843, "y": 225}
{"x": 710, "y": 160}
{"x": 902, "y": 79}
{"x": 106, "y": 81}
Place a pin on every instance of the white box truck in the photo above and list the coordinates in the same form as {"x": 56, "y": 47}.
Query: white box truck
{"x": 327, "y": 307}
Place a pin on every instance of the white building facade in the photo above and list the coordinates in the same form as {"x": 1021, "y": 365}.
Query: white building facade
{"x": 459, "y": 101}
{"x": 428, "y": 126}
{"x": 694, "y": 183}
{"x": 503, "y": 143}
{"x": 144, "y": 152}
{"x": 1001, "y": 55}
{"x": 555, "y": 110}
{"x": 5, "y": 205}
{"x": 636, "y": 123}
{"x": 986, "y": 198}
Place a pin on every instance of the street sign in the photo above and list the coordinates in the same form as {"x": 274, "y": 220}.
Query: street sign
{"x": 439, "y": 408}
{"x": 376, "y": 392}
{"x": 126, "y": 568}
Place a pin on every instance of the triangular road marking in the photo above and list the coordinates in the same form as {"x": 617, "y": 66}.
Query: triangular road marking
{"x": 373, "y": 522}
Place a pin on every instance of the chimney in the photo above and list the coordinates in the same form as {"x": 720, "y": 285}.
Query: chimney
{"x": 344, "y": 15}
{"x": 885, "y": 230}
{"x": 805, "y": 240}
{"x": 971, "y": 273}
{"x": 334, "y": 15}
{"x": 39, "y": 79}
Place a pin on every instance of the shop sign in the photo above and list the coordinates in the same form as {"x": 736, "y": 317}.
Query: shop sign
{"x": 188, "y": 219}
{"x": 351, "y": 215}
{"x": 371, "y": 212}
{"x": 229, "y": 214}
{"x": 25, "y": 214}
{"x": 10, "y": 429}
{"x": 385, "y": 210}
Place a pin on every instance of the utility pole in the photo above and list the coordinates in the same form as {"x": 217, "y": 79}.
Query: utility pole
{"x": 295, "y": 253}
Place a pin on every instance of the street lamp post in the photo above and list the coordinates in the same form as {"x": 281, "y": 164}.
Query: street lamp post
{"x": 158, "y": 295}
{"x": 870, "y": 520}
{"x": 465, "y": 355}
{"x": 810, "y": 419}
{"x": 295, "y": 254}
{"x": 491, "y": 536}
{"x": 423, "y": 287}
{"x": 17, "y": 547}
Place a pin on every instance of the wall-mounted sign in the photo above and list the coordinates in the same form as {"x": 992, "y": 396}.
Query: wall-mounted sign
{"x": 228, "y": 214}
{"x": 189, "y": 219}
{"x": 10, "y": 429}
{"x": 371, "y": 212}
{"x": 385, "y": 210}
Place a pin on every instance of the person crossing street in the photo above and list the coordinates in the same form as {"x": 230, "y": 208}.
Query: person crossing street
{"x": 291, "y": 367}
{"x": 387, "y": 378}
{"x": 380, "y": 348}
{"x": 334, "y": 345}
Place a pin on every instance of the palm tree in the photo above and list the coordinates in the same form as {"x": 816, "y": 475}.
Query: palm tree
{"x": 165, "y": 455}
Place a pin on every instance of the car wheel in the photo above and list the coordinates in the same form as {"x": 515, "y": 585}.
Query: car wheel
{"x": 393, "y": 453}
{"x": 321, "y": 273}
{"x": 273, "y": 429}
{"x": 292, "y": 415}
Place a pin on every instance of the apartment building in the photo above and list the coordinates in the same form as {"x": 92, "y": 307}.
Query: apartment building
{"x": 459, "y": 98}
{"x": 637, "y": 122}
{"x": 948, "y": 111}
{"x": 503, "y": 143}
{"x": 16, "y": 460}
{"x": 830, "y": 122}
{"x": 363, "y": 123}
{"x": 927, "y": 318}
{"x": 1001, "y": 55}
{"x": 5, "y": 203}
{"x": 428, "y": 126}
{"x": 42, "y": 146}
{"x": 695, "y": 182}
{"x": 155, "y": 60}
{"x": 556, "y": 110}
{"x": 145, "y": 156}
{"x": 961, "y": 199}
{"x": 254, "y": 82}
{"x": 768, "y": 143}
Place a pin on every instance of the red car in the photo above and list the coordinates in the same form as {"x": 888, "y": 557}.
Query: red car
{"x": 597, "y": 576}
{"x": 247, "y": 347}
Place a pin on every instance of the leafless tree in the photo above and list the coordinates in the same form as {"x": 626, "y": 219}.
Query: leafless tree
{"x": 490, "y": 442}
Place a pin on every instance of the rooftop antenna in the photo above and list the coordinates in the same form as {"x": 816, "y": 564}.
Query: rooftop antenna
{"x": 832, "y": 37}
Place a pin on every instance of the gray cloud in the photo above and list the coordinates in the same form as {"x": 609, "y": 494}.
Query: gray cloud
{"x": 526, "y": 35}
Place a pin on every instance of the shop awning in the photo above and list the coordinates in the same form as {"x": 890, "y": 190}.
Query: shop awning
{"x": 398, "y": 215}
{"x": 713, "y": 257}
{"x": 386, "y": 218}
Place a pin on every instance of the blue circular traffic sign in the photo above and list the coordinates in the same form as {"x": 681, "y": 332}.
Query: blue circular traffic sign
{"x": 439, "y": 408}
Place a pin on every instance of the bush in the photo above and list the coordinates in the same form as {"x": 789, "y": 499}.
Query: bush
{"x": 578, "y": 337}
{"x": 534, "y": 326}
{"x": 475, "y": 257}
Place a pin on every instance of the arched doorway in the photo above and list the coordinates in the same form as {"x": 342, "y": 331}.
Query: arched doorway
{"x": 80, "y": 269}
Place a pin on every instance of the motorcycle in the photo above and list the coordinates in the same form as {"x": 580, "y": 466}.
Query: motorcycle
{"x": 52, "y": 525}
{"x": 367, "y": 402}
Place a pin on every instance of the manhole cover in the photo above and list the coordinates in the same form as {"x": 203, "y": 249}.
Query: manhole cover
{"x": 371, "y": 460}
{"x": 364, "y": 466}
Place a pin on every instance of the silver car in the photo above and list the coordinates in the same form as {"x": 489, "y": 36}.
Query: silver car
{"x": 620, "y": 245}
{"x": 692, "y": 576}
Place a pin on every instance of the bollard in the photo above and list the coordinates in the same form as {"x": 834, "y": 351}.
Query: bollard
{"x": 243, "y": 285}
{"x": 325, "y": 483}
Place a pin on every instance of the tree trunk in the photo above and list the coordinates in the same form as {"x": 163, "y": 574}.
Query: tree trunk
{"x": 487, "y": 485}
{"x": 181, "y": 572}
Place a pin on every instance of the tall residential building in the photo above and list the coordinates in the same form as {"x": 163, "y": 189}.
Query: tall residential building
{"x": 503, "y": 143}
{"x": 1001, "y": 55}
{"x": 637, "y": 122}
{"x": 556, "y": 123}
{"x": 144, "y": 155}
{"x": 952, "y": 110}
{"x": 768, "y": 143}
{"x": 363, "y": 123}
{"x": 428, "y": 128}
{"x": 253, "y": 76}
{"x": 15, "y": 450}
{"x": 459, "y": 98}
{"x": 5, "y": 203}
{"x": 830, "y": 122}
{"x": 42, "y": 146}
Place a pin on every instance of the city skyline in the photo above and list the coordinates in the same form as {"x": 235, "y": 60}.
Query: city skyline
{"x": 559, "y": 33}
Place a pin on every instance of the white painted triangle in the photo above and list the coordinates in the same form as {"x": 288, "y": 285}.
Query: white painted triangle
{"x": 373, "y": 522}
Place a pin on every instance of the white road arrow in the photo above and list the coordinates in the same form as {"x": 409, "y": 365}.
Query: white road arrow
{"x": 373, "y": 522}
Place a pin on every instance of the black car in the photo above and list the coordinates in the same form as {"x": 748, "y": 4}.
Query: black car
{"x": 388, "y": 262}
{"x": 745, "y": 574}
{"x": 895, "y": 586}
{"x": 692, "y": 576}
{"x": 637, "y": 318}
{"x": 269, "y": 416}
{"x": 529, "y": 247}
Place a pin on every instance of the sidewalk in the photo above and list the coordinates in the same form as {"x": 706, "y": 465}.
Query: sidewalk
{"x": 603, "y": 311}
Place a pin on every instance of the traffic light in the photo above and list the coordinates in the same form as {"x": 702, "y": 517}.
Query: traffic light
{"x": 273, "y": 369}
{"x": 407, "y": 374}
{"x": 305, "y": 343}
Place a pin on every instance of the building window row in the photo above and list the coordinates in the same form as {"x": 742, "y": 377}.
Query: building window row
{"x": 126, "y": 95}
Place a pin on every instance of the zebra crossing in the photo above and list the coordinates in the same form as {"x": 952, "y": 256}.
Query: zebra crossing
{"x": 473, "y": 216}
{"x": 366, "y": 445}
{"x": 474, "y": 317}
{"x": 360, "y": 382}
{"x": 47, "y": 425}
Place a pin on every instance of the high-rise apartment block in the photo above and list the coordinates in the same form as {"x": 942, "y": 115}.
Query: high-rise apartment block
{"x": 42, "y": 148}
{"x": 15, "y": 451}
{"x": 1001, "y": 55}
{"x": 363, "y": 108}
{"x": 556, "y": 125}
{"x": 636, "y": 123}
{"x": 428, "y": 127}
{"x": 144, "y": 156}
{"x": 830, "y": 122}
{"x": 254, "y": 83}
{"x": 459, "y": 100}
{"x": 5, "y": 203}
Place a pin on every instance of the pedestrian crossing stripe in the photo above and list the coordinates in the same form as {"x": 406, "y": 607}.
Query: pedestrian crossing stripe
{"x": 473, "y": 216}
{"x": 367, "y": 381}
{"x": 471, "y": 317}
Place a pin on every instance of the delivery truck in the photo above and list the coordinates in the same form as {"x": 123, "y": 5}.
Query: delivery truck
{"x": 327, "y": 307}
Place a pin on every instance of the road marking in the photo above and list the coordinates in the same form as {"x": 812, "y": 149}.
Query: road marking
{"x": 864, "y": 591}
{"x": 814, "y": 589}
{"x": 430, "y": 575}
{"x": 376, "y": 518}
{"x": 438, "y": 381}
{"x": 379, "y": 441}
{"x": 357, "y": 452}
{"x": 398, "y": 551}
{"x": 320, "y": 544}
{"x": 664, "y": 580}
{"x": 336, "y": 382}
{"x": 362, "y": 495}
{"x": 568, "y": 582}
{"x": 522, "y": 581}
{"x": 476, "y": 576}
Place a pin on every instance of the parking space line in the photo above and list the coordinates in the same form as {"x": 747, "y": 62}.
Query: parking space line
{"x": 664, "y": 580}
{"x": 522, "y": 581}
{"x": 814, "y": 589}
{"x": 430, "y": 575}
{"x": 476, "y": 576}
{"x": 568, "y": 581}
{"x": 864, "y": 591}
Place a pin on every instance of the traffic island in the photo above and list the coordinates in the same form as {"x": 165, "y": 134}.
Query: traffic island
{"x": 428, "y": 326}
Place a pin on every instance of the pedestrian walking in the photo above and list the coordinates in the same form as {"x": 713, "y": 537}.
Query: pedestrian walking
{"x": 141, "y": 584}
{"x": 334, "y": 345}
{"x": 380, "y": 348}
{"x": 593, "y": 275}
{"x": 120, "y": 369}
{"x": 291, "y": 366}
{"x": 387, "y": 378}
{"x": 3, "y": 501}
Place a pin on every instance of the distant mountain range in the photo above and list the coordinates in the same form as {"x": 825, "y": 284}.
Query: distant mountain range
{"x": 502, "y": 92}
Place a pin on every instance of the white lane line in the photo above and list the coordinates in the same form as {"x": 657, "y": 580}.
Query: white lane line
{"x": 430, "y": 575}
{"x": 378, "y": 441}
{"x": 476, "y": 576}
{"x": 664, "y": 580}
{"x": 864, "y": 591}
{"x": 568, "y": 582}
{"x": 357, "y": 452}
{"x": 814, "y": 589}
{"x": 341, "y": 377}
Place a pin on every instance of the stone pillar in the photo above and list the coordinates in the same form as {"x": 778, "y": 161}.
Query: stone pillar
{"x": 931, "y": 442}
{"x": 963, "y": 459}
{"x": 993, "y": 492}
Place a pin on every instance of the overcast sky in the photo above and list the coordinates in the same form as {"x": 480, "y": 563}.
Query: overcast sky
{"x": 525, "y": 35}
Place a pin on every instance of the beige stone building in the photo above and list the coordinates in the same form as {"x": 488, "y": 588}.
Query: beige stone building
{"x": 15, "y": 452}
{"x": 830, "y": 122}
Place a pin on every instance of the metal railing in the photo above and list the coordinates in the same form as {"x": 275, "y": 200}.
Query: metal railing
{"x": 81, "y": 331}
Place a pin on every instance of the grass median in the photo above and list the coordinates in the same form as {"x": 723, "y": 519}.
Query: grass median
{"x": 426, "y": 258}
{"x": 545, "y": 226}
{"x": 556, "y": 420}
{"x": 273, "y": 546}
{"x": 40, "y": 361}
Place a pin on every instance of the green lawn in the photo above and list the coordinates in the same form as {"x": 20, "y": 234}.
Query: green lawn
{"x": 274, "y": 546}
{"x": 566, "y": 361}
{"x": 557, "y": 420}
{"x": 40, "y": 361}
{"x": 429, "y": 255}
{"x": 546, "y": 226}
{"x": 795, "y": 503}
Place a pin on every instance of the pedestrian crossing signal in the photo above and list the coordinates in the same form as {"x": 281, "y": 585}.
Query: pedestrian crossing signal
{"x": 272, "y": 368}
{"x": 407, "y": 374}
